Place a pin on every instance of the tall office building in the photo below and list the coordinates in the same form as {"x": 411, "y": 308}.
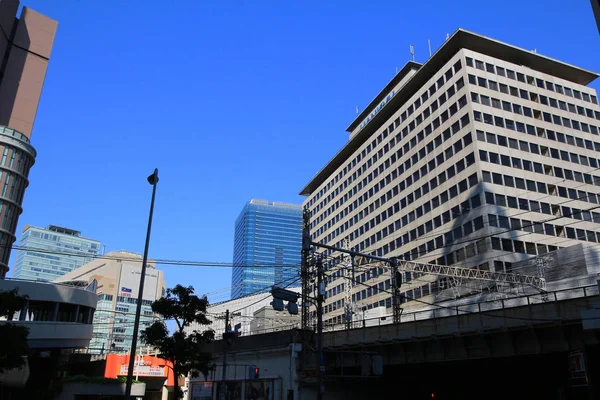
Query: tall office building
{"x": 63, "y": 250}
{"x": 25, "y": 47}
{"x": 484, "y": 155}
{"x": 267, "y": 245}
{"x": 118, "y": 275}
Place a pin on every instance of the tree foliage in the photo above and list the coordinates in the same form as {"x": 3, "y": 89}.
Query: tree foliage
{"x": 185, "y": 351}
{"x": 13, "y": 346}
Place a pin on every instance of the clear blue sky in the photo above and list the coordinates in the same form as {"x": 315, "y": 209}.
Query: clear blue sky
{"x": 231, "y": 100}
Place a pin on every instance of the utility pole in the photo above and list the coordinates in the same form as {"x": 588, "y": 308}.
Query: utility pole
{"x": 225, "y": 345}
{"x": 349, "y": 272}
{"x": 304, "y": 271}
{"x": 153, "y": 180}
{"x": 396, "y": 283}
{"x": 321, "y": 361}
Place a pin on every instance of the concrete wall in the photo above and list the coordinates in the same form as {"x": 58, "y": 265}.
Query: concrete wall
{"x": 268, "y": 320}
{"x": 276, "y": 354}
{"x": 22, "y": 77}
{"x": 596, "y": 9}
{"x": 244, "y": 308}
{"x": 276, "y": 365}
{"x": 110, "y": 271}
{"x": 574, "y": 261}
{"x": 55, "y": 334}
{"x": 72, "y": 389}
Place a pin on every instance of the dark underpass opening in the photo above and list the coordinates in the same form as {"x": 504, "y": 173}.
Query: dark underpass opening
{"x": 542, "y": 376}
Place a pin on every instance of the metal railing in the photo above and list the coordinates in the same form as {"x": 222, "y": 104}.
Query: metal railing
{"x": 450, "y": 309}
{"x": 83, "y": 285}
{"x": 442, "y": 310}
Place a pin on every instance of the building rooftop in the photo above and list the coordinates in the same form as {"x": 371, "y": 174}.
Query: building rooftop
{"x": 66, "y": 231}
{"x": 274, "y": 203}
{"x": 461, "y": 39}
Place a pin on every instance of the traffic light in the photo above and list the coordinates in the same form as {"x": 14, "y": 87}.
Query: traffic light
{"x": 292, "y": 308}
{"x": 280, "y": 295}
{"x": 278, "y": 305}
{"x": 398, "y": 276}
{"x": 253, "y": 372}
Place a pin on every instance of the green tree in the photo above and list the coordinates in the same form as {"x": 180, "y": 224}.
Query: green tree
{"x": 184, "y": 351}
{"x": 13, "y": 346}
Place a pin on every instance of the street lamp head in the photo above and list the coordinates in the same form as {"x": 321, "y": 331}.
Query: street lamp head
{"x": 153, "y": 179}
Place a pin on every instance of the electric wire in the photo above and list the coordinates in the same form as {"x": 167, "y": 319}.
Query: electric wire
{"x": 520, "y": 235}
{"x": 296, "y": 279}
{"x": 456, "y": 308}
{"x": 528, "y": 193}
{"x": 512, "y": 216}
{"x": 215, "y": 264}
{"x": 548, "y": 195}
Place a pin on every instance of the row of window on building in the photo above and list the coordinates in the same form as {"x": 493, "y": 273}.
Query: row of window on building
{"x": 409, "y": 109}
{"x": 494, "y": 86}
{"x": 538, "y": 82}
{"x": 398, "y": 169}
{"x": 530, "y": 112}
{"x": 546, "y": 151}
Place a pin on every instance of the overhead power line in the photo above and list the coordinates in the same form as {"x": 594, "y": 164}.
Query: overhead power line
{"x": 457, "y": 308}
{"x": 158, "y": 261}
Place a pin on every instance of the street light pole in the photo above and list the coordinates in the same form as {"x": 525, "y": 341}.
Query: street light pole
{"x": 153, "y": 180}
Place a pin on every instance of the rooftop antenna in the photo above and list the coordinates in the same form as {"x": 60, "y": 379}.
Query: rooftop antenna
{"x": 396, "y": 69}
{"x": 356, "y": 110}
{"x": 447, "y": 36}
{"x": 429, "y": 44}
{"x": 412, "y": 52}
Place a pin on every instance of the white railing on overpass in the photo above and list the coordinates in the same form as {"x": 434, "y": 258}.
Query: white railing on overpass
{"x": 452, "y": 308}
{"x": 444, "y": 309}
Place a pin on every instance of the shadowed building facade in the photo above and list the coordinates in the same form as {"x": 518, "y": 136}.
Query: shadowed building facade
{"x": 25, "y": 47}
{"x": 596, "y": 9}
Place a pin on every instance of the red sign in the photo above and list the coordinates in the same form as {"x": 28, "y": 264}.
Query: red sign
{"x": 148, "y": 366}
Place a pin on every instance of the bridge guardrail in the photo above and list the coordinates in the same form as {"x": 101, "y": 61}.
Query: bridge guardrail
{"x": 443, "y": 311}
{"x": 468, "y": 308}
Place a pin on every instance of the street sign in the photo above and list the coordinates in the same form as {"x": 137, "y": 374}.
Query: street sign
{"x": 576, "y": 364}
{"x": 577, "y": 370}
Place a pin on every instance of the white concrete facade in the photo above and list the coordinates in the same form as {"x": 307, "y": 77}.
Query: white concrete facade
{"x": 481, "y": 159}
{"x": 59, "y": 316}
{"x": 278, "y": 357}
{"x": 242, "y": 312}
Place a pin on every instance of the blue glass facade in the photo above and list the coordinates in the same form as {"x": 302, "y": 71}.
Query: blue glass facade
{"x": 62, "y": 251}
{"x": 266, "y": 234}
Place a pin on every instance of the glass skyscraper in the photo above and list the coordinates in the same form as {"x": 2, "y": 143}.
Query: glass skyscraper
{"x": 61, "y": 251}
{"x": 267, "y": 245}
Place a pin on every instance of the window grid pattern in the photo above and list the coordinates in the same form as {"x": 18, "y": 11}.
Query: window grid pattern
{"x": 341, "y": 205}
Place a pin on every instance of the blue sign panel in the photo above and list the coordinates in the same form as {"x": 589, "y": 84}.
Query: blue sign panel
{"x": 379, "y": 107}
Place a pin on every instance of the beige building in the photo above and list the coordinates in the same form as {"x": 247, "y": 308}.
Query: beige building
{"x": 118, "y": 276}
{"x": 483, "y": 156}
{"x": 266, "y": 319}
{"x": 244, "y": 311}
